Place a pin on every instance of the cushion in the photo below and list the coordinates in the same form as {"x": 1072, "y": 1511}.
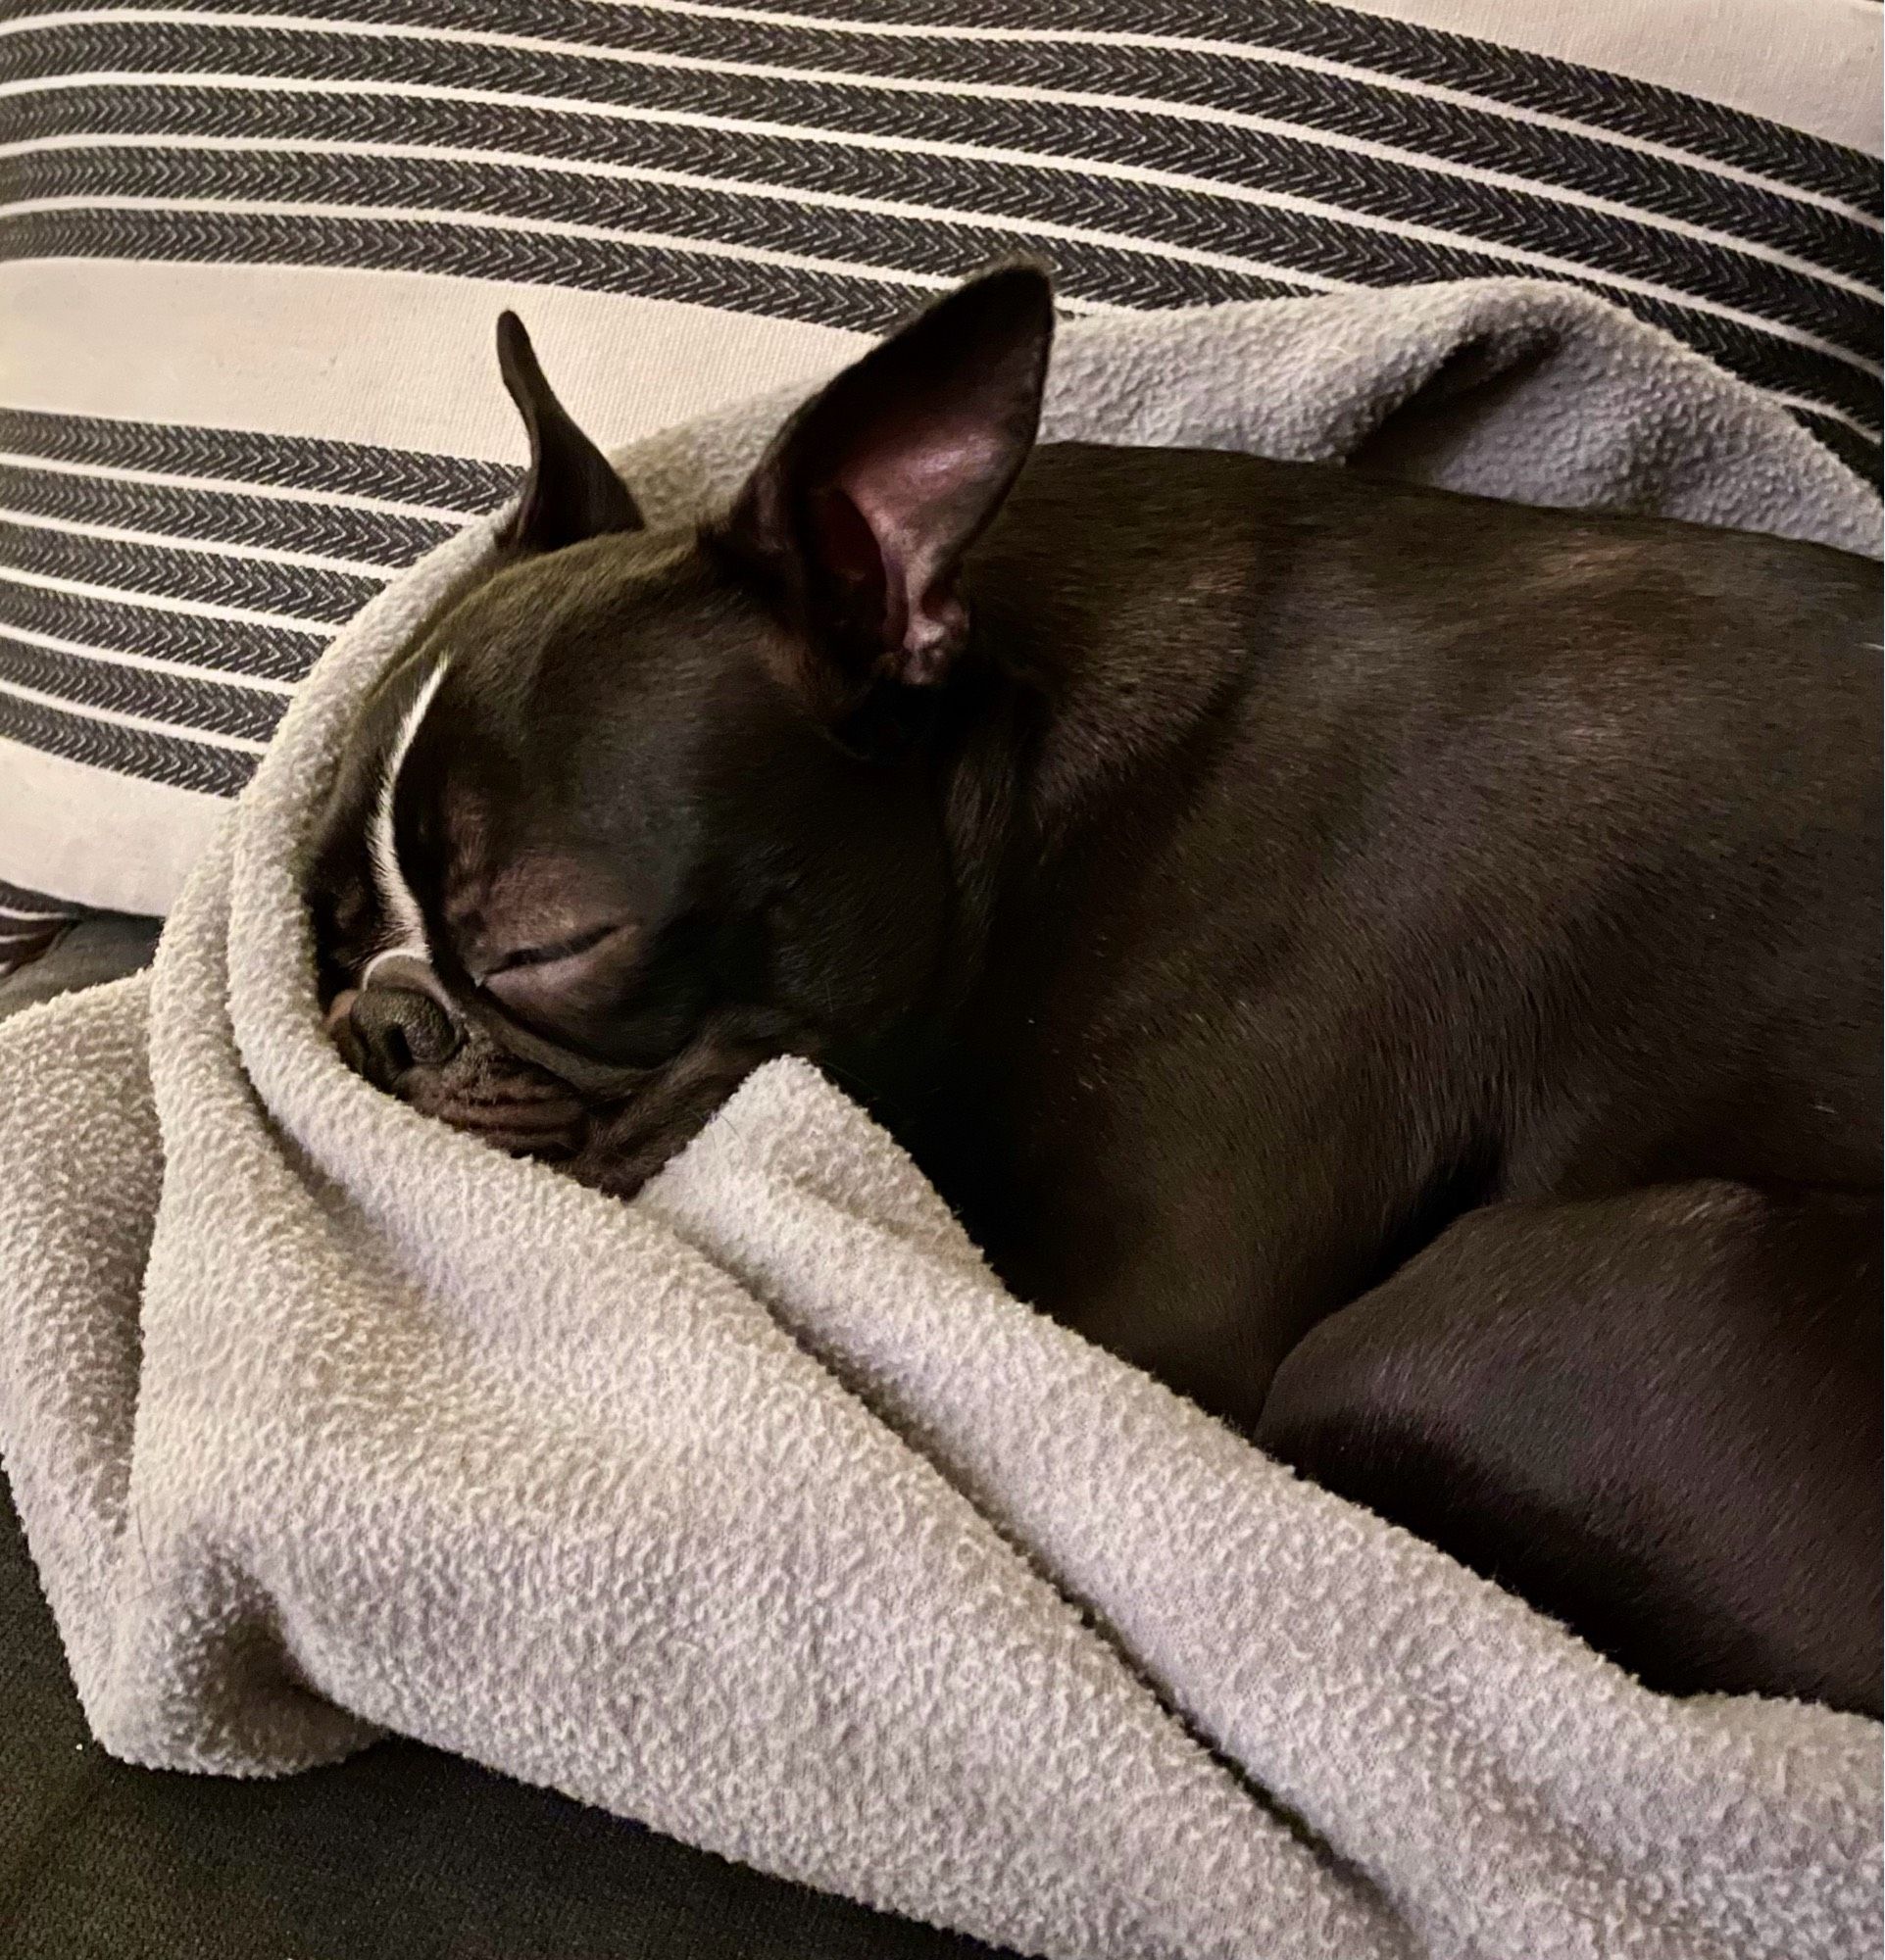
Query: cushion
{"x": 86, "y": 951}
{"x": 250, "y": 266}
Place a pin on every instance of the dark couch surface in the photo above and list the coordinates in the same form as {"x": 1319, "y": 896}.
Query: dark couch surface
{"x": 399, "y": 1853}
{"x": 104, "y": 946}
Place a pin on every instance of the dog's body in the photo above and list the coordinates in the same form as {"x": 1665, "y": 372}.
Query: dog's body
{"x": 1404, "y": 968}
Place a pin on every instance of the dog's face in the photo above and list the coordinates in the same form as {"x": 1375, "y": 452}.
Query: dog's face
{"x": 645, "y": 808}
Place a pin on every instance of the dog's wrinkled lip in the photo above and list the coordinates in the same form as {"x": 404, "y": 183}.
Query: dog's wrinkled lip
{"x": 594, "y": 1081}
{"x": 599, "y": 1081}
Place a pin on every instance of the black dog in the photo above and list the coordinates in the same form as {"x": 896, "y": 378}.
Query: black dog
{"x": 1404, "y": 968}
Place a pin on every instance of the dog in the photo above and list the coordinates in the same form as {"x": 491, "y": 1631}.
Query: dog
{"x": 1401, "y": 967}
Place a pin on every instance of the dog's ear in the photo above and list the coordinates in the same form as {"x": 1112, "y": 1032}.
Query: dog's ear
{"x": 570, "y": 493}
{"x": 859, "y": 511}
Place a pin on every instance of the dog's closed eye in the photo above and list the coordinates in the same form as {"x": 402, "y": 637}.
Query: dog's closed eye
{"x": 550, "y": 956}
{"x": 576, "y": 973}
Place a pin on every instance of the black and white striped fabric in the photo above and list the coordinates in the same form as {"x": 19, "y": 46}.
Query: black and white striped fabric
{"x": 252, "y": 258}
{"x": 189, "y": 577}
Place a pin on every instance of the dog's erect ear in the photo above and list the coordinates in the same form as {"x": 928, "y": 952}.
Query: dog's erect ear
{"x": 861, "y": 509}
{"x": 570, "y": 493}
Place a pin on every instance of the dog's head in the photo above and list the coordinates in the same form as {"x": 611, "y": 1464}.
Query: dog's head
{"x": 648, "y": 806}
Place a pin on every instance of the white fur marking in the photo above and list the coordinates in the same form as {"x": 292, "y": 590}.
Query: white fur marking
{"x": 404, "y": 918}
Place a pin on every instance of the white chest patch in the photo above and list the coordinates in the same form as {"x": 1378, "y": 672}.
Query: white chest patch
{"x": 405, "y": 921}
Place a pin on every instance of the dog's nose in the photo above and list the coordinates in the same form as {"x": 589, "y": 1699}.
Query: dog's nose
{"x": 399, "y": 1028}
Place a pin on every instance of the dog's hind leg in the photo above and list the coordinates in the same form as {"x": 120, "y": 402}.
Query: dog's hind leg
{"x": 1654, "y": 1415}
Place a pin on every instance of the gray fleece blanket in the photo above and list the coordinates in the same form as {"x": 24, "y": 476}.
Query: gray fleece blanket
{"x": 755, "y": 1510}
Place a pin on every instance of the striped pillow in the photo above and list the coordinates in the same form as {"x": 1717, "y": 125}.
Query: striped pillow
{"x": 250, "y": 262}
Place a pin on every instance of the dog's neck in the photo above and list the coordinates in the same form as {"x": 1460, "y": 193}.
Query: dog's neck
{"x": 1083, "y": 674}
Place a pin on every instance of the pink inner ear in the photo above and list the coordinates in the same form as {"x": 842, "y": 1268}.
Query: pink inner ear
{"x": 907, "y": 501}
{"x": 848, "y": 545}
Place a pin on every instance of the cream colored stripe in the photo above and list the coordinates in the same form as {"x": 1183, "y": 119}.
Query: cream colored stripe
{"x": 133, "y": 848}
{"x": 399, "y": 359}
{"x": 403, "y": 360}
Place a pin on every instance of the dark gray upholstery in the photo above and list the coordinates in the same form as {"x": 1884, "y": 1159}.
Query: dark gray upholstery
{"x": 100, "y": 946}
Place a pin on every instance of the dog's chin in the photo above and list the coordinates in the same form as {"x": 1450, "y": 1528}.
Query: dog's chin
{"x": 628, "y": 1141}
{"x": 616, "y": 1145}
{"x": 513, "y": 1107}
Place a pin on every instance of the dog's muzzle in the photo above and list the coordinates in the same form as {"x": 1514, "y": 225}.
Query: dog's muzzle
{"x": 398, "y": 1019}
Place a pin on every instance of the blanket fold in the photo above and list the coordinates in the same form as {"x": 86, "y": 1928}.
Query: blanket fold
{"x": 755, "y": 1509}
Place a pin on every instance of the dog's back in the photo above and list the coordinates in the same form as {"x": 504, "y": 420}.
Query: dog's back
{"x": 1453, "y": 843}
{"x": 1410, "y": 859}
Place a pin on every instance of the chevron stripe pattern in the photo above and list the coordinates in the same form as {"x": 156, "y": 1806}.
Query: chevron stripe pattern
{"x": 153, "y": 624}
{"x": 164, "y": 586}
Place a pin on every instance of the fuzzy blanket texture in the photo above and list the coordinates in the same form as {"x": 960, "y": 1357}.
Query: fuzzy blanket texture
{"x": 755, "y": 1509}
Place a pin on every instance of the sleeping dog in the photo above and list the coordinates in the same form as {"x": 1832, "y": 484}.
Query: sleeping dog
{"x": 1401, "y": 967}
